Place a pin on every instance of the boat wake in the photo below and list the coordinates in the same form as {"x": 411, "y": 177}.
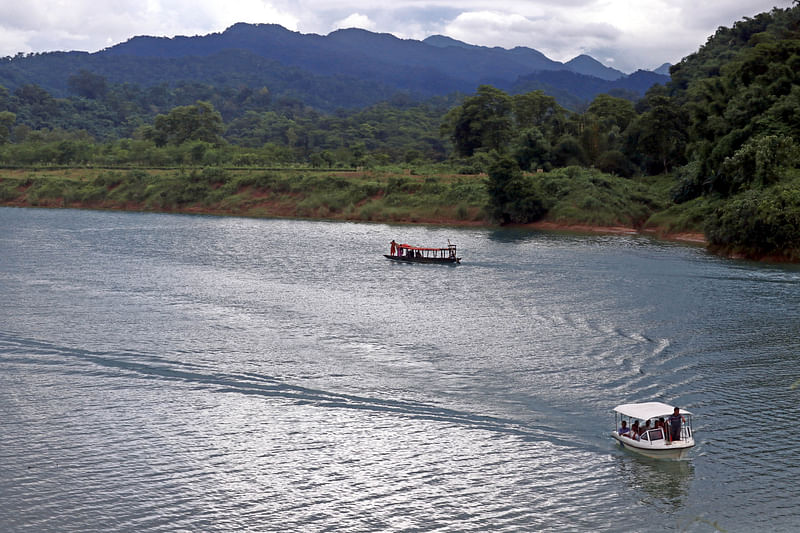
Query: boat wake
{"x": 43, "y": 356}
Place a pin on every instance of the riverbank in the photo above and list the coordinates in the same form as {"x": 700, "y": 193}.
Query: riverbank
{"x": 272, "y": 210}
{"x": 591, "y": 204}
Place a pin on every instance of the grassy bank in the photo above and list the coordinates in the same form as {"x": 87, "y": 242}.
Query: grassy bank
{"x": 367, "y": 196}
{"x": 575, "y": 198}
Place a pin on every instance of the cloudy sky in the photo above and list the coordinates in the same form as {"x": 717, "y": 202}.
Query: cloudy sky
{"x": 625, "y": 34}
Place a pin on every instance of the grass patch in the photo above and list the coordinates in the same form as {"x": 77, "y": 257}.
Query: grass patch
{"x": 688, "y": 217}
{"x": 584, "y": 196}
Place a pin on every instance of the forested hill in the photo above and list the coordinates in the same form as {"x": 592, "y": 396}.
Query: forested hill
{"x": 734, "y": 108}
{"x": 350, "y": 68}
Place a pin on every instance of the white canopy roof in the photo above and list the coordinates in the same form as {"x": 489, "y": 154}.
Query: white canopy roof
{"x": 647, "y": 410}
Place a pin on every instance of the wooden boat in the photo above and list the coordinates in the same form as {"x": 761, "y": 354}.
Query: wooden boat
{"x": 655, "y": 442}
{"x": 419, "y": 254}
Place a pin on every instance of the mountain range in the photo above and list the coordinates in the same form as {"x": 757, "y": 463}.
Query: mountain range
{"x": 346, "y": 68}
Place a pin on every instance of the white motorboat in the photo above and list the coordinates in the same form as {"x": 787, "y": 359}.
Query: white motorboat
{"x": 658, "y": 440}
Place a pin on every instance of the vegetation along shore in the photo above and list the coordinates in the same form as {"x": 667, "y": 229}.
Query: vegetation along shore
{"x": 588, "y": 201}
{"x": 712, "y": 155}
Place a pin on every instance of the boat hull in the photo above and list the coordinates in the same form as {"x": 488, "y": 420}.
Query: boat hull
{"x": 437, "y": 260}
{"x": 676, "y": 450}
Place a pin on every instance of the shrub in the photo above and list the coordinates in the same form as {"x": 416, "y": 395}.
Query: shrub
{"x": 615, "y": 162}
{"x": 760, "y": 162}
{"x": 759, "y": 222}
{"x": 689, "y": 183}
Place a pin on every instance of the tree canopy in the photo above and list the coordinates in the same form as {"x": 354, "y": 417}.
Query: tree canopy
{"x": 198, "y": 122}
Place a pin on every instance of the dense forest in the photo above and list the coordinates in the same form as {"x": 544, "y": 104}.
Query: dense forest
{"x": 723, "y": 133}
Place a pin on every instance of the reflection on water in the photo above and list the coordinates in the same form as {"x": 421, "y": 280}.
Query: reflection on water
{"x": 513, "y": 236}
{"x": 666, "y": 483}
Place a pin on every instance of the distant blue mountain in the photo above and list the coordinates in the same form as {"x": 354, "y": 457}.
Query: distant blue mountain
{"x": 443, "y": 41}
{"x": 348, "y": 68}
{"x": 404, "y": 63}
{"x": 588, "y": 65}
{"x": 572, "y": 89}
{"x": 663, "y": 69}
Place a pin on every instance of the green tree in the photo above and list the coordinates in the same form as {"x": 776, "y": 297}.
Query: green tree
{"x": 532, "y": 149}
{"x": 568, "y": 152}
{"x": 536, "y": 109}
{"x": 601, "y": 132}
{"x": 512, "y": 198}
{"x": 87, "y": 84}
{"x": 612, "y": 112}
{"x": 758, "y": 223}
{"x": 198, "y": 122}
{"x": 3, "y": 98}
{"x": 482, "y": 122}
{"x": 33, "y": 95}
{"x": 660, "y": 134}
{"x": 759, "y": 163}
{"x": 7, "y": 119}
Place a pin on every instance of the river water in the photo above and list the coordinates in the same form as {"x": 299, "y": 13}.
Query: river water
{"x": 192, "y": 373}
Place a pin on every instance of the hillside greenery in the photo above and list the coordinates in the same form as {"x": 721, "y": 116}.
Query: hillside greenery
{"x": 716, "y": 150}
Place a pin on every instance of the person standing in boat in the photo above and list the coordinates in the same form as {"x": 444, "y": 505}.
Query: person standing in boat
{"x": 674, "y": 422}
{"x": 394, "y": 248}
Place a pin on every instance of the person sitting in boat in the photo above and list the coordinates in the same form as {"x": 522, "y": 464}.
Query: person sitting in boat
{"x": 624, "y": 430}
{"x": 662, "y": 425}
{"x": 645, "y": 428}
{"x": 635, "y": 430}
{"x": 675, "y": 420}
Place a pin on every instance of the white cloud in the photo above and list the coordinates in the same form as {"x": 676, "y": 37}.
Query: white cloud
{"x": 45, "y": 25}
{"x": 491, "y": 28}
{"x": 356, "y": 20}
{"x": 10, "y": 39}
{"x": 710, "y": 14}
{"x": 224, "y": 14}
{"x": 555, "y": 37}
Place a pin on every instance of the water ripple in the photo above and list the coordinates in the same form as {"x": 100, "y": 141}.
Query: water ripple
{"x": 169, "y": 373}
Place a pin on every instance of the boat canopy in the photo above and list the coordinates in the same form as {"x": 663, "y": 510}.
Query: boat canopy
{"x": 647, "y": 410}
{"x": 423, "y": 249}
